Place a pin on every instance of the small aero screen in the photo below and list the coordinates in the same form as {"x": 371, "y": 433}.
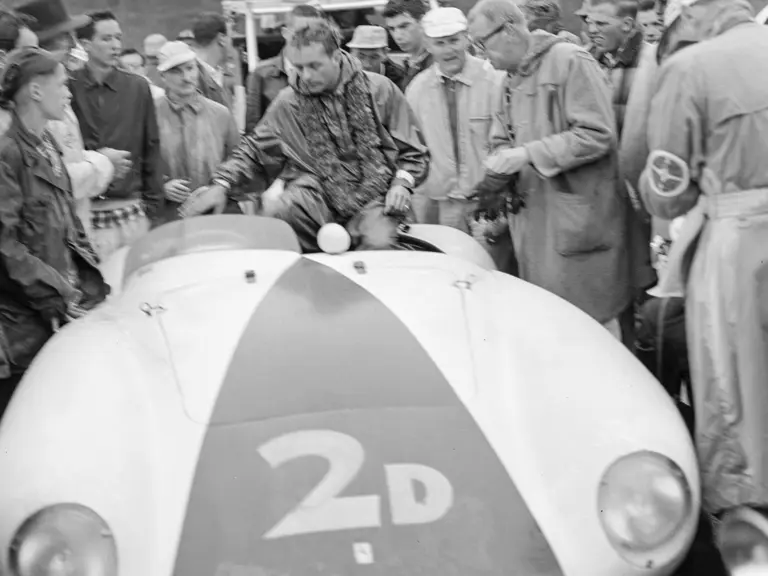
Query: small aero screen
{"x": 223, "y": 232}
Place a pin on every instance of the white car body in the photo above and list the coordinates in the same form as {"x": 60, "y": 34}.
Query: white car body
{"x": 115, "y": 412}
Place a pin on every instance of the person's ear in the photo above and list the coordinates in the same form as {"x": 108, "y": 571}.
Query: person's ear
{"x": 628, "y": 25}
{"x": 35, "y": 91}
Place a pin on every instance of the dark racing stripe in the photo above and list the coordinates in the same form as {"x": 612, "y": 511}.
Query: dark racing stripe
{"x": 329, "y": 393}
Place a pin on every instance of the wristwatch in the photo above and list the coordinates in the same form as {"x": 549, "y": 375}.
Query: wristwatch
{"x": 407, "y": 177}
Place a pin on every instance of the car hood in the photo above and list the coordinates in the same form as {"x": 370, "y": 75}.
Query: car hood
{"x": 301, "y": 337}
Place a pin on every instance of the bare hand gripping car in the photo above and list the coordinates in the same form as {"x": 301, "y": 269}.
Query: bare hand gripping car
{"x": 237, "y": 408}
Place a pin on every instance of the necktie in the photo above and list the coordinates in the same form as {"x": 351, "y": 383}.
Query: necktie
{"x": 449, "y": 86}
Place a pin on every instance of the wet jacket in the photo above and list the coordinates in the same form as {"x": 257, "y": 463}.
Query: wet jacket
{"x": 571, "y": 236}
{"x": 279, "y": 143}
{"x": 708, "y": 147}
{"x": 41, "y": 242}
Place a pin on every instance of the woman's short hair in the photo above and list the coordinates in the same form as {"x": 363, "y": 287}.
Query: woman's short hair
{"x": 11, "y": 23}
{"x": 23, "y": 66}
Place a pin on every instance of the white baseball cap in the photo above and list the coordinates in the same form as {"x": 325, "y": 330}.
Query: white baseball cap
{"x": 444, "y": 21}
{"x": 674, "y": 9}
{"x": 174, "y": 54}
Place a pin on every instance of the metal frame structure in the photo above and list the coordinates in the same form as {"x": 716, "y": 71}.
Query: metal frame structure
{"x": 253, "y": 8}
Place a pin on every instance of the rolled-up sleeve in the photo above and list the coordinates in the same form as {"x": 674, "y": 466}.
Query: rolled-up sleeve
{"x": 589, "y": 130}
{"x": 44, "y": 289}
{"x": 401, "y": 123}
{"x": 669, "y": 183}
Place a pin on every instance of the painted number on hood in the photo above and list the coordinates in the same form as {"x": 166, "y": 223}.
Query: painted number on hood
{"x": 322, "y": 510}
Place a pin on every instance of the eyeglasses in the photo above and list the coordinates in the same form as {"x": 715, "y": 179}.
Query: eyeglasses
{"x": 480, "y": 43}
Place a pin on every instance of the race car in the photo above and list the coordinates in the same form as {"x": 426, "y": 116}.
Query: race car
{"x": 238, "y": 408}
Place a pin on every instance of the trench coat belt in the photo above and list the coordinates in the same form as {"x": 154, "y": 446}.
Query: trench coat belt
{"x": 741, "y": 204}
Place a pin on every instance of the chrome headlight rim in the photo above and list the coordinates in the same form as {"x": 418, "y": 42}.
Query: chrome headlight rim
{"x": 31, "y": 527}
{"x": 755, "y": 520}
{"x": 680, "y": 537}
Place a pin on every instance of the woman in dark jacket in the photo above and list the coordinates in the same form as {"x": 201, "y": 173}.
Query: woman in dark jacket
{"x": 48, "y": 270}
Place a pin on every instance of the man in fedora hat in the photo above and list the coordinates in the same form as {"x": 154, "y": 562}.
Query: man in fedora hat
{"x": 369, "y": 45}
{"x": 91, "y": 171}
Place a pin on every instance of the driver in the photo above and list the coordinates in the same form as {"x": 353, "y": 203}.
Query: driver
{"x": 346, "y": 140}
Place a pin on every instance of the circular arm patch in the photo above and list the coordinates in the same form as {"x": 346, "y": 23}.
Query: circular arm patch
{"x": 668, "y": 174}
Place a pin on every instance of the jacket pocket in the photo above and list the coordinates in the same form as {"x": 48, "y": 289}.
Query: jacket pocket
{"x": 479, "y": 130}
{"x": 577, "y": 224}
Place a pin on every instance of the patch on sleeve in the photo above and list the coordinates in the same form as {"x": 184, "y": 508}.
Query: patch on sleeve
{"x": 669, "y": 174}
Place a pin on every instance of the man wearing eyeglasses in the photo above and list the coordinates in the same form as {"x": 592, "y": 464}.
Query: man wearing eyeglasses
{"x": 555, "y": 129}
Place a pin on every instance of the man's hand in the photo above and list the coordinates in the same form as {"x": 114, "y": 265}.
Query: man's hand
{"x": 204, "y": 199}
{"x": 177, "y": 190}
{"x": 120, "y": 159}
{"x": 508, "y": 161}
{"x": 398, "y": 200}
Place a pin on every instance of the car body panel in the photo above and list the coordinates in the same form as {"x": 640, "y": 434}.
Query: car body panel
{"x": 125, "y": 428}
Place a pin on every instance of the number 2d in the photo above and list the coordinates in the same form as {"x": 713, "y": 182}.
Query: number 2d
{"x": 322, "y": 510}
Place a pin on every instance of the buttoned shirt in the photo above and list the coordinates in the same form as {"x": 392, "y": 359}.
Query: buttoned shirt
{"x": 119, "y": 113}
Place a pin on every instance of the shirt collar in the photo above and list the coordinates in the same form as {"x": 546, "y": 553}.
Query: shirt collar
{"x": 460, "y": 77}
{"x": 110, "y": 80}
{"x": 288, "y": 66}
{"x": 195, "y": 104}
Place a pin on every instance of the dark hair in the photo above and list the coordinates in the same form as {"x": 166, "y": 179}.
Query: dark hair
{"x": 131, "y": 52}
{"x": 21, "y": 67}
{"x": 308, "y": 11}
{"x": 624, "y": 8}
{"x": 88, "y": 31}
{"x": 318, "y": 32}
{"x": 207, "y": 27}
{"x": 414, "y": 8}
{"x": 645, "y": 5}
{"x": 11, "y": 24}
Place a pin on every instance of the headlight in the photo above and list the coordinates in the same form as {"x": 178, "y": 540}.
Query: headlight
{"x": 743, "y": 541}
{"x": 644, "y": 502}
{"x": 63, "y": 540}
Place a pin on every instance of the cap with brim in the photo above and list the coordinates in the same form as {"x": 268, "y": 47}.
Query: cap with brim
{"x": 368, "y": 38}
{"x": 174, "y": 54}
{"x": 444, "y": 21}
{"x": 51, "y": 18}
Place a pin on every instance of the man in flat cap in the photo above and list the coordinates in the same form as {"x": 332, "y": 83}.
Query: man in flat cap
{"x": 454, "y": 101}
{"x": 369, "y": 45}
{"x": 708, "y": 147}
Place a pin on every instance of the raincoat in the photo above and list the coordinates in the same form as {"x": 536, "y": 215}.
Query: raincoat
{"x": 708, "y": 147}
{"x": 571, "y": 236}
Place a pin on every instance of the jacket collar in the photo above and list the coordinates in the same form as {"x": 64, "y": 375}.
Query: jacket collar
{"x": 195, "y": 104}
{"x": 472, "y": 71}
{"x": 35, "y": 156}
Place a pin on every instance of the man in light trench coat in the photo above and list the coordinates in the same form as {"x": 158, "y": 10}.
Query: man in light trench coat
{"x": 707, "y": 136}
{"x": 555, "y": 128}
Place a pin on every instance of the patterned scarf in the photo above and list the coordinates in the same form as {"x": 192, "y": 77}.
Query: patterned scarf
{"x": 348, "y": 151}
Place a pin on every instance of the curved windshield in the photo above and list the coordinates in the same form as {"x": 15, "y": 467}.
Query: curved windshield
{"x": 209, "y": 234}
